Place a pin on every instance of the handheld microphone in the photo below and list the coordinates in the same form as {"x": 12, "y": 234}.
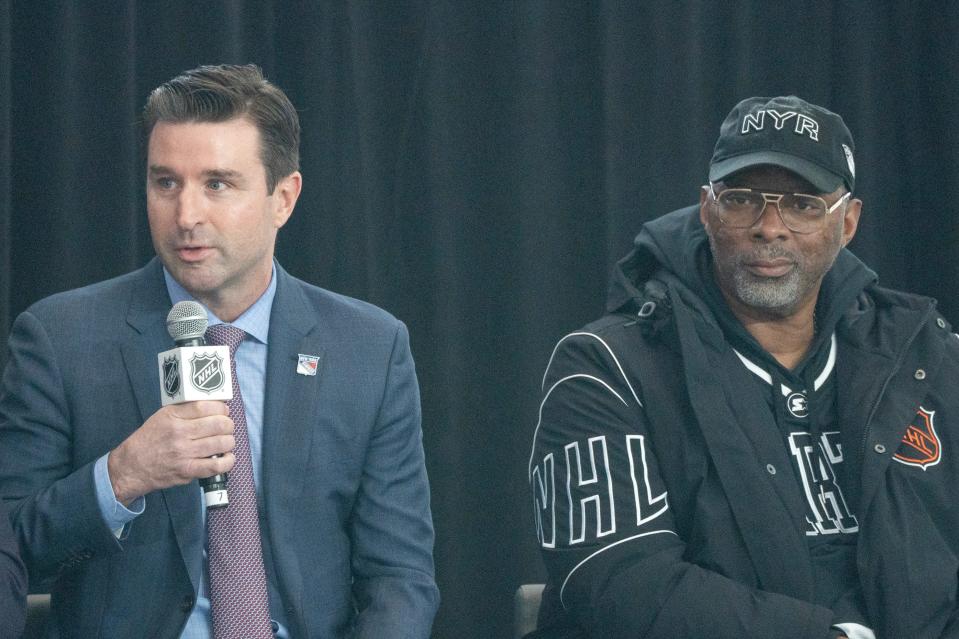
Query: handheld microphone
{"x": 193, "y": 371}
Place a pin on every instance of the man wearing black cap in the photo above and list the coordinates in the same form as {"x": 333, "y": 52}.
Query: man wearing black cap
{"x": 756, "y": 440}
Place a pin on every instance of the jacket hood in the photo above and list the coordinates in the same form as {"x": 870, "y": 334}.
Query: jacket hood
{"x": 669, "y": 242}
{"x": 675, "y": 242}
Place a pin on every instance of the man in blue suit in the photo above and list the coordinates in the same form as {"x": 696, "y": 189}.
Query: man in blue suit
{"x": 103, "y": 480}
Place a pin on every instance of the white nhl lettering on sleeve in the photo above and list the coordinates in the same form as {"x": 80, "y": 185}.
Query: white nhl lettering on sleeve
{"x": 648, "y": 507}
{"x": 543, "y": 479}
{"x": 597, "y": 479}
{"x": 592, "y": 483}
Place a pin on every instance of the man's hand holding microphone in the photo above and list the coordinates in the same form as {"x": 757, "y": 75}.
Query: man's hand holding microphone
{"x": 191, "y": 436}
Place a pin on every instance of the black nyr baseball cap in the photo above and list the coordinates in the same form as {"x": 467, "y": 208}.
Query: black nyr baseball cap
{"x": 806, "y": 139}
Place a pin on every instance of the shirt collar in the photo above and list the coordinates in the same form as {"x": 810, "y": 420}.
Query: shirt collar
{"x": 819, "y": 363}
{"x": 255, "y": 321}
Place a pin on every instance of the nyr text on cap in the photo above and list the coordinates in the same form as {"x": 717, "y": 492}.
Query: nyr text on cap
{"x": 804, "y": 138}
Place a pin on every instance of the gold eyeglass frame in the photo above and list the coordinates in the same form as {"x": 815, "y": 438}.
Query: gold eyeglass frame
{"x": 775, "y": 198}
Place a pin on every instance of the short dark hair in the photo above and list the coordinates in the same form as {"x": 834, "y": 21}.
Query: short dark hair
{"x": 227, "y": 91}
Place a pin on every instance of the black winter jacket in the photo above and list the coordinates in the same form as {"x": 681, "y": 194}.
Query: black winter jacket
{"x": 660, "y": 515}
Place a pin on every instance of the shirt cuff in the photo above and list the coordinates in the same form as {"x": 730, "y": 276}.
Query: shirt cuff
{"x": 115, "y": 514}
{"x": 855, "y": 630}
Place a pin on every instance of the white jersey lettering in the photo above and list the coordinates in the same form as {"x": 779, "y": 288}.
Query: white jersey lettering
{"x": 828, "y": 512}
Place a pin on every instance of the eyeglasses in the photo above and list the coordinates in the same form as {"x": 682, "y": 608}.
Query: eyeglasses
{"x": 800, "y": 213}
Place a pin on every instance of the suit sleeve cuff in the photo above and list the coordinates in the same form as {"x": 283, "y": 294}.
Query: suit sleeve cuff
{"x": 115, "y": 515}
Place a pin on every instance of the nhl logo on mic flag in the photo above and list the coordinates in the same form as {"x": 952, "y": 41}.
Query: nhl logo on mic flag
{"x": 191, "y": 373}
{"x": 207, "y": 372}
{"x": 171, "y": 375}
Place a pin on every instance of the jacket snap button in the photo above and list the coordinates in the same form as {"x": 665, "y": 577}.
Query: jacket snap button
{"x": 879, "y": 448}
{"x": 941, "y": 322}
{"x": 920, "y": 374}
{"x": 770, "y": 469}
{"x": 187, "y": 604}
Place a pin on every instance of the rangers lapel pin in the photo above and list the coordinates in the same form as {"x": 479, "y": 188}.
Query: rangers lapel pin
{"x": 307, "y": 364}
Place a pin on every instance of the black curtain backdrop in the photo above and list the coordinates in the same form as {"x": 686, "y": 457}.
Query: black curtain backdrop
{"x": 475, "y": 167}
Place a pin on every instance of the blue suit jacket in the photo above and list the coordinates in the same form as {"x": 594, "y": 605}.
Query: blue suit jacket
{"x": 345, "y": 516}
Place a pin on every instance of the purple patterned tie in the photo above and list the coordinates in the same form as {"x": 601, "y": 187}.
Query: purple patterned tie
{"x": 238, "y": 594}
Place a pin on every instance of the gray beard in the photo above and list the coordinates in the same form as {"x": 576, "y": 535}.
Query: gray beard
{"x": 779, "y": 294}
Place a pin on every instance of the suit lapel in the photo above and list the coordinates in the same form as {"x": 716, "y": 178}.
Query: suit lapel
{"x": 290, "y": 401}
{"x": 146, "y": 316}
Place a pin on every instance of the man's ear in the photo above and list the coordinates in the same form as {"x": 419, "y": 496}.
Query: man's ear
{"x": 704, "y": 204}
{"x": 284, "y": 197}
{"x": 850, "y": 220}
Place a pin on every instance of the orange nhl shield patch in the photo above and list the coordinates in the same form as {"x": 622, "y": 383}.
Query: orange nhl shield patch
{"x": 920, "y": 445}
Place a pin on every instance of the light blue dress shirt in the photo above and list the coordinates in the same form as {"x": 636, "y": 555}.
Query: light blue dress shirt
{"x": 251, "y": 371}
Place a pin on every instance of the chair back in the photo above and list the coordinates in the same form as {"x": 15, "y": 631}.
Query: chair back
{"x": 526, "y": 609}
{"x": 38, "y": 617}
